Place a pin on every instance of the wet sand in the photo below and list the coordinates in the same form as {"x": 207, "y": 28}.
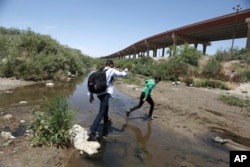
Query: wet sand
{"x": 10, "y": 84}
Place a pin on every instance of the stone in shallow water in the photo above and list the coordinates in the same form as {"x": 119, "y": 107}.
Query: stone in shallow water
{"x": 50, "y": 84}
{"x": 23, "y": 102}
{"x": 79, "y": 137}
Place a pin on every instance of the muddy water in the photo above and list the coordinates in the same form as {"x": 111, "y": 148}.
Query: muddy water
{"x": 131, "y": 142}
{"x": 37, "y": 93}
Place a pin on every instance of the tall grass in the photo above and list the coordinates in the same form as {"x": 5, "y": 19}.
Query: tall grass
{"x": 50, "y": 126}
{"x": 210, "y": 83}
{"x": 235, "y": 101}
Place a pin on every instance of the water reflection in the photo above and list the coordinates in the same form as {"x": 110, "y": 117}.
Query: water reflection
{"x": 141, "y": 150}
{"x": 39, "y": 92}
{"x": 120, "y": 144}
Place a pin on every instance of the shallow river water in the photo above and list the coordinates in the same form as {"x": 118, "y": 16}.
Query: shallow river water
{"x": 132, "y": 142}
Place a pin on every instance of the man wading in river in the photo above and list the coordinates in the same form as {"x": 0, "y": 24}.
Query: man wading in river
{"x": 104, "y": 99}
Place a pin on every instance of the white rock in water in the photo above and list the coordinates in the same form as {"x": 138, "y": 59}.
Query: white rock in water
{"x": 8, "y": 91}
{"x": 79, "y": 137}
{"x": 22, "y": 121}
{"x": 23, "y": 102}
{"x": 50, "y": 84}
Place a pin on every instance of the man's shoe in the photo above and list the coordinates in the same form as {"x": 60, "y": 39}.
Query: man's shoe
{"x": 92, "y": 137}
{"x": 108, "y": 123}
{"x": 150, "y": 118}
{"x": 104, "y": 138}
{"x": 128, "y": 113}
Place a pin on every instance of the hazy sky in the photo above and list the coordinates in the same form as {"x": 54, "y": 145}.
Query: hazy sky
{"x": 102, "y": 27}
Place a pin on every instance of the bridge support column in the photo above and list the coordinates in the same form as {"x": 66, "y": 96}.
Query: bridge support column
{"x": 163, "y": 51}
{"x": 170, "y": 51}
{"x": 154, "y": 52}
{"x": 204, "y": 49}
{"x": 141, "y": 54}
{"x": 147, "y": 53}
{"x": 248, "y": 33}
{"x": 196, "y": 45}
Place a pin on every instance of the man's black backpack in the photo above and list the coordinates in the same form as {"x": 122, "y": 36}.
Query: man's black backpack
{"x": 97, "y": 82}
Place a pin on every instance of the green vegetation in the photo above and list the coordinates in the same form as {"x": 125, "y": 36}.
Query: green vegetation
{"x": 244, "y": 74}
{"x": 235, "y": 101}
{"x": 212, "y": 68}
{"x": 31, "y": 56}
{"x": 171, "y": 69}
{"x": 51, "y": 124}
{"x": 242, "y": 55}
{"x": 190, "y": 66}
{"x": 210, "y": 83}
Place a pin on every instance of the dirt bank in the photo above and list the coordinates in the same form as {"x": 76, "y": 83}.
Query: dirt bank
{"x": 186, "y": 110}
{"x": 192, "y": 111}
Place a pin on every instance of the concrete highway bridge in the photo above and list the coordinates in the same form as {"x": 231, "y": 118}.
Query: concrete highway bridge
{"x": 231, "y": 26}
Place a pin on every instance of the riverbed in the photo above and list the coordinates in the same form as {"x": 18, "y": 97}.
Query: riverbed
{"x": 178, "y": 136}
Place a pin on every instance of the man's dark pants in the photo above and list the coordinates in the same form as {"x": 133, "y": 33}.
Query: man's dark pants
{"x": 103, "y": 112}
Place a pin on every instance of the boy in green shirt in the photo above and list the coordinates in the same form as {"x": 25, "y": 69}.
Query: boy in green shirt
{"x": 146, "y": 96}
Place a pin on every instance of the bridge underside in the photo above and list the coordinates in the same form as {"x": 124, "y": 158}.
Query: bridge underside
{"x": 231, "y": 26}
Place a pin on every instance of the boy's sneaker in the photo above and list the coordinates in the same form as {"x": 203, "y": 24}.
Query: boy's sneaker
{"x": 128, "y": 113}
{"x": 92, "y": 137}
